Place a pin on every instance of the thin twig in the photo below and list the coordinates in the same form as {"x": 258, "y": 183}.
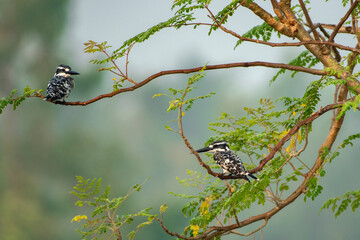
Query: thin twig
{"x": 230, "y": 194}
{"x": 114, "y": 63}
{"x": 166, "y": 230}
{"x": 127, "y": 60}
{"x": 288, "y": 136}
{"x": 117, "y": 67}
{"x": 331, "y": 39}
{"x": 287, "y": 44}
{"x": 112, "y": 71}
{"x": 256, "y": 230}
{"x": 212, "y": 15}
{"x": 331, "y": 43}
{"x": 306, "y": 142}
{"x": 334, "y": 49}
{"x": 115, "y": 227}
{"x": 227, "y": 14}
{"x": 271, "y": 196}
{"x": 354, "y": 21}
{"x": 343, "y": 29}
{"x": 309, "y": 21}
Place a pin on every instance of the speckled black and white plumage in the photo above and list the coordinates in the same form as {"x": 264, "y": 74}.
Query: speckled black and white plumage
{"x": 61, "y": 84}
{"x": 227, "y": 160}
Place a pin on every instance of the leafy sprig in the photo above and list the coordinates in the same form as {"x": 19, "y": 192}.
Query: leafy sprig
{"x": 305, "y": 59}
{"x": 104, "y": 220}
{"x": 17, "y": 100}
{"x": 263, "y": 31}
{"x": 341, "y": 203}
{"x": 349, "y": 105}
{"x": 178, "y": 96}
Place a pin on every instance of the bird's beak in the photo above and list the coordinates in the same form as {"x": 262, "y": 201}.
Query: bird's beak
{"x": 71, "y": 72}
{"x": 206, "y": 149}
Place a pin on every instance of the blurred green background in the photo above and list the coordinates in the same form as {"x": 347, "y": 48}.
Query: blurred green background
{"x": 123, "y": 139}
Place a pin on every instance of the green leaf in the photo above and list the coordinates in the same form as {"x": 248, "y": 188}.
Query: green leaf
{"x": 313, "y": 189}
{"x": 168, "y": 128}
{"x": 178, "y": 20}
{"x": 263, "y": 32}
{"x": 283, "y": 187}
{"x": 348, "y": 105}
{"x": 351, "y": 198}
{"x": 79, "y": 203}
{"x": 104, "y": 221}
{"x": 305, "y": 59}
{"x": 16, "y": 101}
{"x": 163, "y": 208}
{"x": 157, "y": 95}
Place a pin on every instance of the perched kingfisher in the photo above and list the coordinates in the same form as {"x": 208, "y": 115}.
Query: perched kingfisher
{"x": 227, "y": 160}
{"x": 61, "y": 84}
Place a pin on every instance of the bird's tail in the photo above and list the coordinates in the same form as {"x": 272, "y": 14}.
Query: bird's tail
{"x": 250, "y": 175}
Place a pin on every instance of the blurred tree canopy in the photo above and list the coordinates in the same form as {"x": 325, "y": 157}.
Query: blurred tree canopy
{"x": 20, "y": 23}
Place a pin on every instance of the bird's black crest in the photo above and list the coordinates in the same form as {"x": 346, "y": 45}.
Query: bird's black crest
{"x": 63, "y": 68}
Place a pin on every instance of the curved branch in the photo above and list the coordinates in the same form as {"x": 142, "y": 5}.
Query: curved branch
{"x": 192, "y": 70}
{"x": 254, "y": 231}
{"x": 288, "y": 44}
{"x": 269, "y": 19}
{"x": 288, "y": 136}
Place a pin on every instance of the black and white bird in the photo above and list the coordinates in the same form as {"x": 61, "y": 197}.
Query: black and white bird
{"x": 227, "y": 160}
{"x": 61, "y": 84}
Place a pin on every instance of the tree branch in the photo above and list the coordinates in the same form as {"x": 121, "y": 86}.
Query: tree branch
{"x": 293, "y": 131}
{"x": 288, "y": 28}
{"x": 331, "y": 39}
{"x": 192, "y": 70}
{"x": 354, "y": 24}
{"x": 254, "y": 231}
{"x": 344, "y": 29}
{"x": 276, "y": 148}
{"x": 288, "y": 44}
{"x": 283, "y": 44}
{"x": 308, "y": 19}
{"x": 216, "y": 231}
{"x": 277, "y": 10}
{"x": 334, "y": 49}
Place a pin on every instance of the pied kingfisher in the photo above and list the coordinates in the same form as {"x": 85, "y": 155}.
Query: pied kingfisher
{"x": 61, "y": 84}
{"x": 227, "y": 160}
